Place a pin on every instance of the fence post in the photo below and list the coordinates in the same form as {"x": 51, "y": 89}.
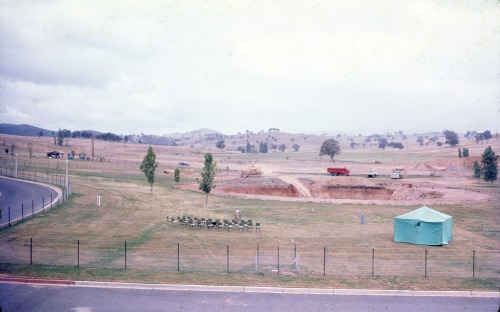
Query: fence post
{"x": 324, "y": 261}
{"x": 473, "y": 264}
{"x": 125, "y": 255}
{"x": 278, "y": 260}
{"x": 22, "y": 211}
{"x": 373, "y": 261}
{"x": 9, "y": 215}
{"x": 425, "y": 266}
{"x": 43, "y": 204}
{"x": 295, "y": 252}
{"x": 78, "y": 255}
{"x": 257, "y": 256}
{"x": 228, "y": 258}
{"x": 31, "y": 250}
{"x": 178, "y": 257}
{"x": 50, "y": 201}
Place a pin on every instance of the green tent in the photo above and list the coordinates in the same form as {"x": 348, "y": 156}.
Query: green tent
{"x": 423, "y": 226}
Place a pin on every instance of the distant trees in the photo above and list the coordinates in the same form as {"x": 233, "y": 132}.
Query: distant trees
{"x": 61, "y": 135}
{"x": 149, "y": 165}
{"x": 489, "y": 161}
{"x": 81, "y": 134}
{"x": 108, "y": 136}
{"x": 221, "y": 144}
{"x": 282, "y": 147}
{"x": 486, "y": 135}
{"x": 263, "y": 148}
{"x": 296, "y": 147}
{"x": 382, "y": 143}
{"x": 397, "y": 145}
{"x": 465, "y": 152}
{"x": 330, "y": 147}
{"x": 420, "y": 140}
{"x": 207, "y": 182}
{"x": 451, "y": 138}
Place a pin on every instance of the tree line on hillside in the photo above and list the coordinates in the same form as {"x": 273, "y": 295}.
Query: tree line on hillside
{"x": 270, "y": 142}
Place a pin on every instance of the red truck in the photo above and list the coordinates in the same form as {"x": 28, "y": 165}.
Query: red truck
{"x": 338, "y": 171}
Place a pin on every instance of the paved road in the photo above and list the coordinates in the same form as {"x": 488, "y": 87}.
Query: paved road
{"x": 16, "y": 193}
{"x": 30, "y": 297}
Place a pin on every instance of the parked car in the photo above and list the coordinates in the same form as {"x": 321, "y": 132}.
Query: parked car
{"x": 183, "y": 163}
{"x": 55, "y": 154}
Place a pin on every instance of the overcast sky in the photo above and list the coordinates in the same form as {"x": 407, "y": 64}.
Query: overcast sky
{"x": 158, "y": 67}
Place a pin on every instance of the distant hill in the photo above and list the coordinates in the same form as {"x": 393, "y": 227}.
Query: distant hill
{"x": 23, "y": 130}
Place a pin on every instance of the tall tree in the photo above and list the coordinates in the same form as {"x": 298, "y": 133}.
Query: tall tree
{"x": 459, "y": 152}
{"x": 207, "y": 182}
{"x": 149, "y": 165}
{"x": 177, "y": 175}
{"x": 477, "y": 170}
{"x": 60, "y": 137}
{"x": 330, "y": 147}
{"x": 490, "y": 165}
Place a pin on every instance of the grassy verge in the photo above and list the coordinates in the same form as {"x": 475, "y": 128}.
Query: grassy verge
{"x": 274, "y": 280}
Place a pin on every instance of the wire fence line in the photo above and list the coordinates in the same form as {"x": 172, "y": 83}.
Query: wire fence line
{"x": 7, "y": 164}
{"x": 265, "y": 259}
{"x": 30, "y": 207}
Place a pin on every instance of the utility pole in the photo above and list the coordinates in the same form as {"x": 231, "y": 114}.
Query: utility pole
{"x": 15, "y": 171}
{"x": 92, "y": 137}
{"x": 66, "y": 180}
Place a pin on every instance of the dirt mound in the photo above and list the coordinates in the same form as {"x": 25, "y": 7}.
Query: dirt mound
{"x": 258, "y": 186}
{"x": 414, "y": 194}
{"x": 467, "y": 162}
{"x": 347, "y": 188}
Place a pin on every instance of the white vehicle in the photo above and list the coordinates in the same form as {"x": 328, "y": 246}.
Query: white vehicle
{"x": 397, "y": 174}
{"x": 373, "y": 173}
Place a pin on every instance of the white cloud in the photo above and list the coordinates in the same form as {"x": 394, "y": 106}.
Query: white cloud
{"x": 168, "y": 66}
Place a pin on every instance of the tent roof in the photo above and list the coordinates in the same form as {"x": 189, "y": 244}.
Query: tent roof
{"x": 425, "y": 214}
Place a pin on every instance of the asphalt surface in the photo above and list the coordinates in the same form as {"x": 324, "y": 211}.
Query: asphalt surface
{"x": 23, "y": 198}
{"x": 93, "y": 297}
